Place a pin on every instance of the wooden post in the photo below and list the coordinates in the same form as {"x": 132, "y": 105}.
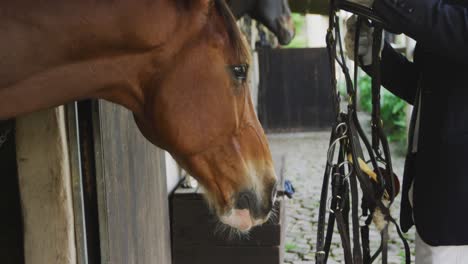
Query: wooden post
{"x": 132, "y": 190}
{"x": 45, "y": 187}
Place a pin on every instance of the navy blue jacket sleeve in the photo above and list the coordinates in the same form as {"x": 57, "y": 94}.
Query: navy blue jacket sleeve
{"x": 439, "y": 25}
{"x": 398, "y": 74}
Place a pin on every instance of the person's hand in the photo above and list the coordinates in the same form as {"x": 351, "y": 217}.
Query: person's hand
{"x": 366, "y": 3}
{"x": 365, "y": 40}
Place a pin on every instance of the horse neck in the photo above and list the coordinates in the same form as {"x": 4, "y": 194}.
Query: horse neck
{"x": 50, "y": 61}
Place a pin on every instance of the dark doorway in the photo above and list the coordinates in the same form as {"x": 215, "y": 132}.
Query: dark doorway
{"x": 295, "y": 89}
{"x": 11, "y": 221}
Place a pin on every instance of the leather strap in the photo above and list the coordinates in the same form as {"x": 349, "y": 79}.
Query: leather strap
{"x": 346, "y": 139}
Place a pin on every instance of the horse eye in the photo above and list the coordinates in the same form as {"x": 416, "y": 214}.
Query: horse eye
{"x": 239, "y": 72}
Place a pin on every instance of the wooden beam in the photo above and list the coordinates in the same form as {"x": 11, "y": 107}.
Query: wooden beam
{"x": 309, "y": 6}
{"x": 132, "y": 190}
{"x": 45, "y": 187}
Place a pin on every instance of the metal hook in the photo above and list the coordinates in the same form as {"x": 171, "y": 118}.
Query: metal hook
{"x": 329, "y": 205}
{"x": 350, "y": 169}
{"x": 342, "y": 124}
{"x": 332, "y": 148}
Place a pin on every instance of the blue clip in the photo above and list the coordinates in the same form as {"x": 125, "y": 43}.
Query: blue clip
{"x": 289, "y": 189}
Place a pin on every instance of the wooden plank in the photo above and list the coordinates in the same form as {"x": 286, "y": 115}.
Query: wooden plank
{"x": 227, "y": 255}
{"x": 45, "y": 186}
{"x": 279, "y": 161}
{"x": 132, "y": 195}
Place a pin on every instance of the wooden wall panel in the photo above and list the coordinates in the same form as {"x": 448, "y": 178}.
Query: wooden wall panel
{"x": 132, "y": 196}
{"x": 198, "y": 239}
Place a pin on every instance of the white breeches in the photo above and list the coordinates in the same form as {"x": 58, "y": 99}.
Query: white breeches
{"x": 426, "y": 254}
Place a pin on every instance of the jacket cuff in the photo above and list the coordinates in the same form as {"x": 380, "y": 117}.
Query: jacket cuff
{"x": 387, "y": 53}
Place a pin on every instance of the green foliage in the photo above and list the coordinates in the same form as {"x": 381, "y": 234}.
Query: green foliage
{"x": 393, "y": 111}
{"x": 298, "y": 20}
{"x": 341, "y": 86}
{"x": 290, "y": 246}
{"x": 365, "y": 96}
{"x": 299, "y": 40}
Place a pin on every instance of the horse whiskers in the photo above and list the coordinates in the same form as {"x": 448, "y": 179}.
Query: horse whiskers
{"x": 274, "y": 216}
{"x": 219, "y": 229}
{"x": 229, "y": 233}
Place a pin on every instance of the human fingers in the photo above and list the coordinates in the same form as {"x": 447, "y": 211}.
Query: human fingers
{"x": 349, "y": 45}
{"x": 351, "y": 24}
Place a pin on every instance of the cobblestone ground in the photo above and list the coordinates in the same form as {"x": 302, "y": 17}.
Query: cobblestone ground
{"x": 304, "y": 160}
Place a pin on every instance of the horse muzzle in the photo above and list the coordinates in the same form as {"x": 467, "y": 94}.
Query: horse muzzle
{"x": 286, "y": 30}
{"x": 249, "y": 210}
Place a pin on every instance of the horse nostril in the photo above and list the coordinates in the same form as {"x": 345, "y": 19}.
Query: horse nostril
{"x": 246, "y": 200}
{"x": 243, "y": 201}
{"x": 258, "y": 208}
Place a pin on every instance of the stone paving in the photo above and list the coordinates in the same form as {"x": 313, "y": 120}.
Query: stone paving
{"x": 304, "y": 160}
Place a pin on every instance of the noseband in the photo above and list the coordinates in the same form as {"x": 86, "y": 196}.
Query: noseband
{"x": 346, "y": 160}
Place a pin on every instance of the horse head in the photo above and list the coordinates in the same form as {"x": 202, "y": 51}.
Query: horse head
{"x": 179, "y": 65}
{"x": 274, "y": 14}
{"x": 200, "y": 110}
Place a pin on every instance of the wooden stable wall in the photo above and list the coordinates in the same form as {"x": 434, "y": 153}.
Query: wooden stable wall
{"x": 93, "y": 189}
{"x": 132, "y": 197}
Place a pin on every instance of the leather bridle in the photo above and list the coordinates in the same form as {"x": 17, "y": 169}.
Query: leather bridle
{"x": 347, "y": 159}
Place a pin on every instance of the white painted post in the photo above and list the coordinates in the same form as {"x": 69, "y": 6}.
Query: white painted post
{"x": 172, "y": 173}
{"x": 316, "y": 30}
{"x": 45, "y": 187}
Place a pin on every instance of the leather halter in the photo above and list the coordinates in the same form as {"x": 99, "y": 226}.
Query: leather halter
{"x": 346, "y": 169}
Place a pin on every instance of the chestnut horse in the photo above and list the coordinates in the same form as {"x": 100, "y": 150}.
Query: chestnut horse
{"x": 274, "y": 14}
{"x": 179, "y": 65}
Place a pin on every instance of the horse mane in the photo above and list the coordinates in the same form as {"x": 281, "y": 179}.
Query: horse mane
{"x": 236, "y": 39}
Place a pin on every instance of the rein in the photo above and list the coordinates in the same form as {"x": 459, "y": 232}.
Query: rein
{"x": 351, "y": 155}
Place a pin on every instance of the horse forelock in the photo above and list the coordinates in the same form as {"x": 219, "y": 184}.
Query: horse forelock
{"x": 235, "y": 37}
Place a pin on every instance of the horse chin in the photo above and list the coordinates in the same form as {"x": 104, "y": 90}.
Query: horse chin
{"x": 285, "y": 37}
{"x": 239, "y": 219}
{"x": 286, "y": 31}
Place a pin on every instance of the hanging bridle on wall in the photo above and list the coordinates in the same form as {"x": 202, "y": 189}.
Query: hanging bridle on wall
{"x": 349, "y": 164}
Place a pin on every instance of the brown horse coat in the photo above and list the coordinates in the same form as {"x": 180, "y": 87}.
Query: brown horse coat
{"x": 170, "y": 62}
